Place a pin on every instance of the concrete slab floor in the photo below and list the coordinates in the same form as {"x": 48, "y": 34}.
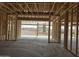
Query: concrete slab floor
{"x": 32, "y": 48}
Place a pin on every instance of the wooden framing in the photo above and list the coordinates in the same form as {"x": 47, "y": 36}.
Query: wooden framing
{"x": 16, "y": 29}
{"x": 71, "y": 30}
{"x": 38, "y": 19}
{"x": 15, "y": 9}
{"x": 49, "y": 33}
{"x": 75, "y": 53}
{"x": 60, "y": 8}
{"x": 9, "y": 19}
{"x": 29, "y": 8}
{"x": 66, "y": 30}
{"x": 3, "y": 27}
{"x": 37, "y": 28}
{"x": 6, "y": 7}
{"x": 52, "y": 8}
{"x": 36, "y": 7}
{"x": 59, "y": 28}
{"x": 77, "y": 21}
{"x": 4, "y": 10}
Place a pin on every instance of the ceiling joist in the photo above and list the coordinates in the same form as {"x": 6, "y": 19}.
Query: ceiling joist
{"x": 6, "y": 7}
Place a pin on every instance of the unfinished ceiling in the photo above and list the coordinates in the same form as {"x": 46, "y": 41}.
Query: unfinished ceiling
{"x": 35, "y": 9}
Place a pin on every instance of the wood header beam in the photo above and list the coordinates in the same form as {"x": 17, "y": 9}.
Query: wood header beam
{"x": 36, "y": 19}
{"x": 34, "y": 13}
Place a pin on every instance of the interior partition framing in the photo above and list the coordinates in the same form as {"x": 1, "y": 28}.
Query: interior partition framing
{"x": 71, "y": 30}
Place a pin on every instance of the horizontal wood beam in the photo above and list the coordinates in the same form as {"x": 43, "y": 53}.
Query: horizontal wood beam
{"x": 36, "y": 19}
{"x": 34, "y": 13}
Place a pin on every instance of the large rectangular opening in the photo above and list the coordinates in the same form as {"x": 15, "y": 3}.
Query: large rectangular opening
{"x": 34, "y": 29}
